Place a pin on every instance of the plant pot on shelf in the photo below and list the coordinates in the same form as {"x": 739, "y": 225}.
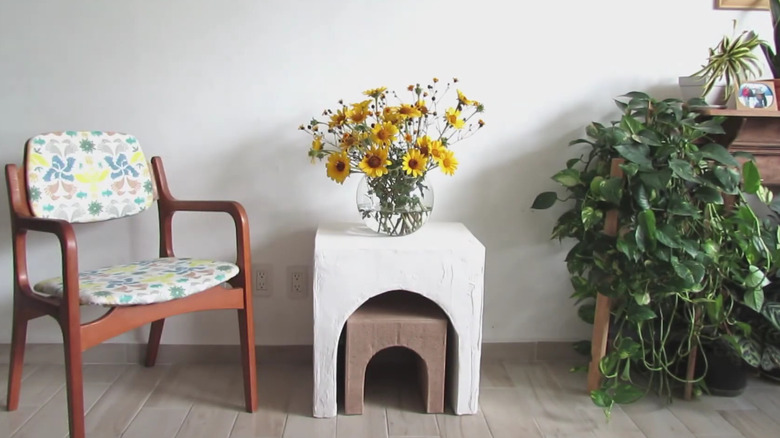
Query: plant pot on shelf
{"x": 693, "y": 86}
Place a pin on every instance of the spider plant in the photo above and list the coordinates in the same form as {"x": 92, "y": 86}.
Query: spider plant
{"x": 732, "y": 61}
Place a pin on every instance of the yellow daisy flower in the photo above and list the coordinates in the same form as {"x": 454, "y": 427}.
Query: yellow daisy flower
{"x": 375, "y": 162}
{"x": 414, "y": 163}
{"x": 375, "y": 92}
{"x": 424, "y": 145}
{"x": 338, "y": 167}
{"x": 436, "y": 149}
{"x": 348, "y": 140}
{"x": 420, "y": 105}
{"x": 359, "y": 111}
{"x": 316, "y": 147}
{"x": 383, "y": 133}
{"x": 338, "y": 118}
{"x": 453, "y": 119}
{"x": 390, "y": 114}
{"x": 448, "y": 162}
{"x": 462, "y": 99}
{"x": 407, "y": 111}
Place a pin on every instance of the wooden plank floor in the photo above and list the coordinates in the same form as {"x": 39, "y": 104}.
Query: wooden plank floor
{"x": 517, "y": 399}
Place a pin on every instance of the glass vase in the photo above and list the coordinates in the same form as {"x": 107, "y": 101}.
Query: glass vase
{"x": 394, "y": 204}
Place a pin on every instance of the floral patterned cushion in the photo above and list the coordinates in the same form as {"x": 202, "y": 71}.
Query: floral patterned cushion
{"x": 87, "y": 176}
{"x": 146, "y": 282}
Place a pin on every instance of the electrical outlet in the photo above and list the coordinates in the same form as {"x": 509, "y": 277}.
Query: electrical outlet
{"x": 298, "y": 282}
{"x": 262, "y": 280}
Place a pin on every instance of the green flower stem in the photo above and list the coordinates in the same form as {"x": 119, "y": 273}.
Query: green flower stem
{"x": 400, "y": 209}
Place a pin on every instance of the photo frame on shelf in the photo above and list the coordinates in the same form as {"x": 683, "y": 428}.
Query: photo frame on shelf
{"x": 757, "y": 96}
{"x": 741, "y": 4}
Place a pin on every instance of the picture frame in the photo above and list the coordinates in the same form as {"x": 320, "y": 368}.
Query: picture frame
{"x": 741, "y": 4}
{"x": 757, "y": 96}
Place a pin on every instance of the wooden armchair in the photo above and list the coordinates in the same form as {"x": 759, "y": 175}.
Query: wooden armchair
{"x": 86, "y": 177}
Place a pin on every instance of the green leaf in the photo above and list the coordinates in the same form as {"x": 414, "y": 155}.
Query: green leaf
{"x": 595, "y": 185}
{"x": 754, "y": 298}
{"x": 638, "y": 153}
{"x": 625, "y": 393}
{"x": 656, "y": 180}
{"x": 601, "y": 399}
{"x": 684, "y": 272}
{"x": 714, "y": 309}
{"x": 626, "y": 244}
{"x": 628, "y": 348}
{"x": 668, "y": 235}
{"x": 544, "y": 200}
{"x": 683, "y": 169}
{"x": 642, "y": 298}
{"x": 771, "y": 311}
{"x": 587, "y": 312}
{"x": 696, "y": 269}
{"x": 770, "y": 359}
{"x": 645, "y": 232}
{"x": 756, "y": 277}
{"x": 630, "y": 124}
{"x": 718, "y": 153}
{"x": 640, "y": 313}
{"x": 572, "y": 162}
{"x": 764, "y": 194}
{"x": 728, "y": 178}
{"x": 630, "y": 169}
{"x": 751, "y": 177}
{"x": 612, "y": 190}
{"x": 608, "y": 364}
{"x": 681, "y": 207}
{"x": 640, "y": 195}
{"x": 568, "y": 177}
{"x": 709, "y": 195}
{"x": 590, "y": 217}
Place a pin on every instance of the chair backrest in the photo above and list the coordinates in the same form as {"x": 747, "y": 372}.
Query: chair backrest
{"x": 87, "y": 176}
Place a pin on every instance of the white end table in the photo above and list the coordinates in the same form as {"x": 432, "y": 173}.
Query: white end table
{"x": 442, "y": 261}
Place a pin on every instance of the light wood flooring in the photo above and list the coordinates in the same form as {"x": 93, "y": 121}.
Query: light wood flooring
{"x": 517, "y": 400}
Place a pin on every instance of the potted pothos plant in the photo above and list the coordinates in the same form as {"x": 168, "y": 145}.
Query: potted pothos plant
{"x": 689, "y": 246}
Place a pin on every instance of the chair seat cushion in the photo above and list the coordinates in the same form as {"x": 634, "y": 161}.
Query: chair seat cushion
{"x": 145, "y": 282}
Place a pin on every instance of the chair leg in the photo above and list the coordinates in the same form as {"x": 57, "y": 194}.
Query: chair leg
{"x": 74, "y": 379}
{"x": 18, "y": 340}
{"x": 247, "y": 335}
{"x": 154, "y": 342}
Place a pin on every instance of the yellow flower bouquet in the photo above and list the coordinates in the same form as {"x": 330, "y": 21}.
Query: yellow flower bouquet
{"x": 394, "y": 144}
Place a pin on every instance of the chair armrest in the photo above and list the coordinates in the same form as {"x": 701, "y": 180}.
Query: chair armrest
{"x": 232, "y": 208}
{"x": 168, "y": 207}
{"x": 68, "y": 247}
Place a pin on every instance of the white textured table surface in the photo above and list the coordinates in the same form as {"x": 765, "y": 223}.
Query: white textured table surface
{"x": 442, "y": 261}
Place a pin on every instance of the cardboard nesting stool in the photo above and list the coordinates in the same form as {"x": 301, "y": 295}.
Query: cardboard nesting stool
{"x": 392, "y": 320}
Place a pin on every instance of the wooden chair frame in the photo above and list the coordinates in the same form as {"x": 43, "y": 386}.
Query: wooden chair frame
{"x": 78, "y": 337}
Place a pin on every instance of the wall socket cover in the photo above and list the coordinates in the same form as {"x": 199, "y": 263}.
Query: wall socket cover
{"x": 262, "y": 280}
{"x": 298, "y": 284}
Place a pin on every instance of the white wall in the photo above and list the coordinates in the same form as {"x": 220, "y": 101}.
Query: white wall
{"x": 218, "y": 89}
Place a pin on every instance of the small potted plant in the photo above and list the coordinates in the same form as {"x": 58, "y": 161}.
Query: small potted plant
{"x": 731, "y": 62}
